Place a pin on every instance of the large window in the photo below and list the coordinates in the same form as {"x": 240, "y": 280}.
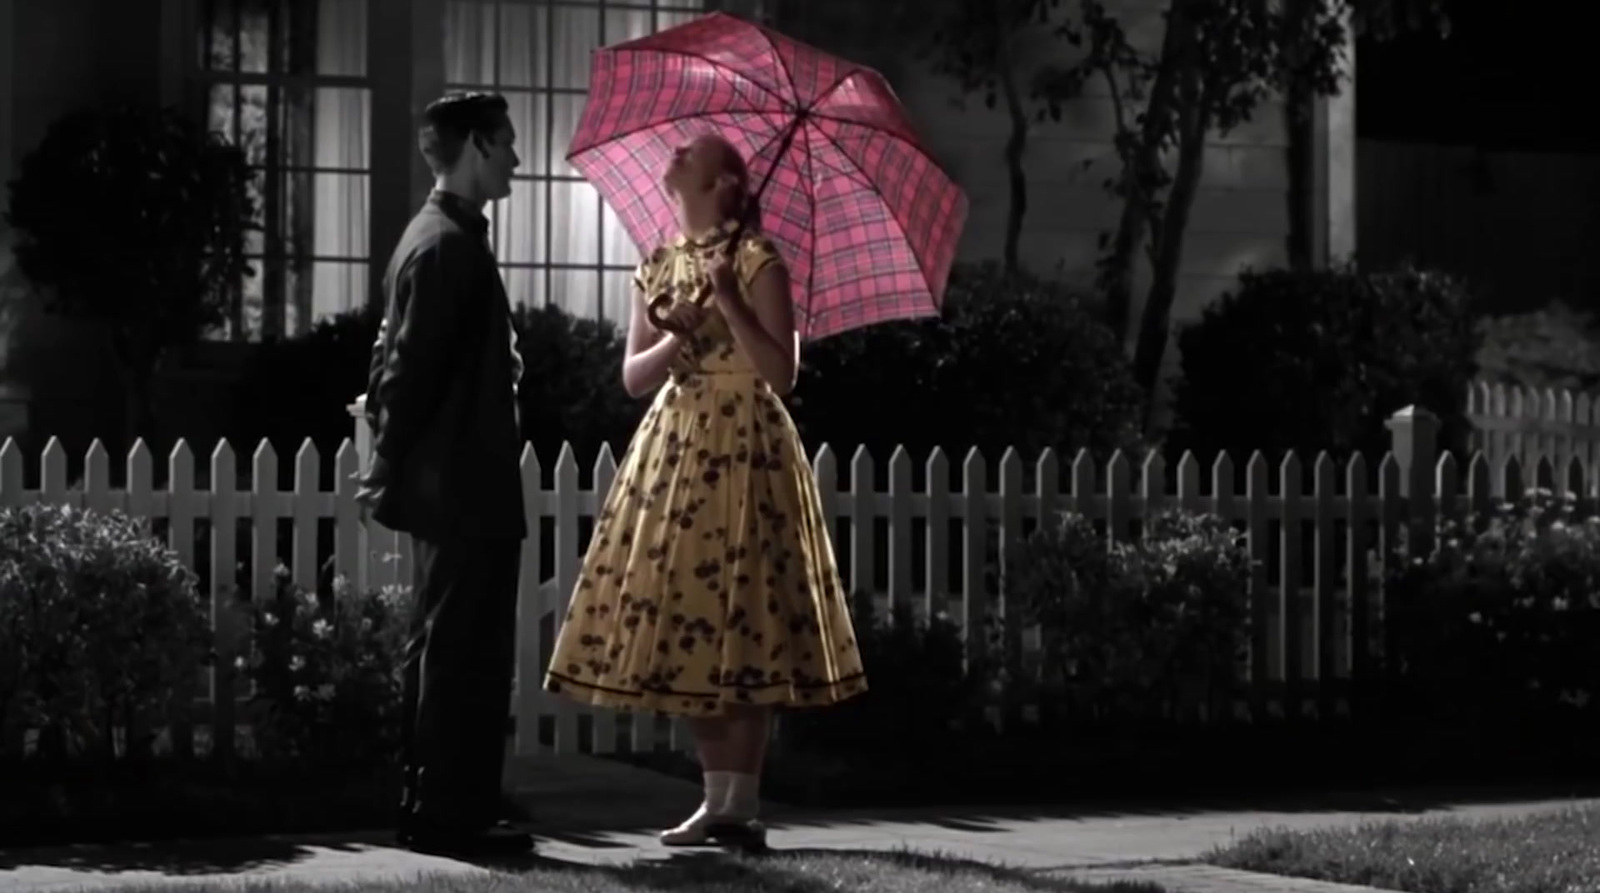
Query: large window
{"x": 557, "y": 242}
{"x": 287, "y": 81}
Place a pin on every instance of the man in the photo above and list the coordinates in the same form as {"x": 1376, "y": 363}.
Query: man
{"x": 446, "y": 469}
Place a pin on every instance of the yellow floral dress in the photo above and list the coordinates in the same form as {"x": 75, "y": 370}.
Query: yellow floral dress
{"x": 710, "y": 579}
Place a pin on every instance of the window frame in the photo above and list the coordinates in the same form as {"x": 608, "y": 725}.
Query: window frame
{"x": 274, "y": 262}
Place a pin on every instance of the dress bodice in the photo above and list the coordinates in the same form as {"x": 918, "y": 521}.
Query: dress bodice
{"x": 679, "y": 270}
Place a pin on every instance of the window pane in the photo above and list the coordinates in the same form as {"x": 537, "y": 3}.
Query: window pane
{"x": 254, "y": 21}
{"x": 325, "y": 288}
{"x": 340, "y": 204}
{"x": 573, "y": 38}
{"x": 617, "y": 300}
{"x": 341, "y": 38}
{"x": 341, "y": 127}
{"x": 521, "y": 61}
{"x": 576, "y": 291}
{"x": 216, "y": 27}
{"x": 575, "y": 223}
{"x": 566, "y": 109}
{"x": 527, "y": 114}
{"x": 221, "y": 100}
{"x": 253, "y": 123}
{"x": 667, "y": 18}
{"x": 254, "y": 300}
{"x": 617, "y": 249}
{"x": 469, "y": 41}
{"x": 627, "y": 24}
{"x": 519, "y": 223}
{"x": 524, "y": 286}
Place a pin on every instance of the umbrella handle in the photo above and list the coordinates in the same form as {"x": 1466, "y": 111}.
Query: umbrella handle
{"x": 659, "y": 305}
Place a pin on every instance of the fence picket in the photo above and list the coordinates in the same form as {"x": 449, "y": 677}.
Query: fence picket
{"x": 1323, "y": 638}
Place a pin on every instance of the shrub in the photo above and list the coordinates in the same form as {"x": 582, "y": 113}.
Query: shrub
{"x": 100, "y": 626}
{"x": 1499, "y": 623}
{"x": 572, "y": 384}
{"x": 326, "y": 674}
{"x": 1014, "y": 361}
{"x": 1318, "y": 360}
{"x": 1134, "y": 630}
{"x": 301, "y": 387}
{"x": 918, "y": 689}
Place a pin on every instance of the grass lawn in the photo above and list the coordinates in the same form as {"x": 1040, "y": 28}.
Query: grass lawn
{"x": 794, "y": 872}
{"x": 1558, "y": 852}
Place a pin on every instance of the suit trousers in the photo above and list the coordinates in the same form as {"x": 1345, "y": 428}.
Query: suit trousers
{"x": 458, "y": 666}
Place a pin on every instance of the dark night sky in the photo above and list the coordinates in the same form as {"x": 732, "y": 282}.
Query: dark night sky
{"x": 1500, "y": 80}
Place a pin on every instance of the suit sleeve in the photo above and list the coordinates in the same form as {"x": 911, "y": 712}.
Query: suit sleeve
{"x": 432, "y": 297}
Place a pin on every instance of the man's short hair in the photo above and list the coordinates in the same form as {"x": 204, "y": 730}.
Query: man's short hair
{"x": 450, "y": 122}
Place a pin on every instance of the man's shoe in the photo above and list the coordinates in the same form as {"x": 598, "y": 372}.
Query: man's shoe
{"x": 499, "y": 840}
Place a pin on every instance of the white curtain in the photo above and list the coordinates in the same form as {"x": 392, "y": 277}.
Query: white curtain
{"x": 538, "y": 56}
{"x": 341, "y": 127}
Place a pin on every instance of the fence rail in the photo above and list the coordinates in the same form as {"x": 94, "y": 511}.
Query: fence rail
{"x": 1316, "y": 530}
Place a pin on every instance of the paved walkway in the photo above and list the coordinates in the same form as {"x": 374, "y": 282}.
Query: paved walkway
{"x": 1155, "y": 844}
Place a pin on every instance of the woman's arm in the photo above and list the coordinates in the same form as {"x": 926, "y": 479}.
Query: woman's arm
{"x": 650, "y": 352}
{"x": 764, "y": 326}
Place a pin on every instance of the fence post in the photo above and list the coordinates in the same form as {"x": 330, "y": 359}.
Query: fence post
{"x": 1414, "y": 438}
{"x": 363, "y": 430}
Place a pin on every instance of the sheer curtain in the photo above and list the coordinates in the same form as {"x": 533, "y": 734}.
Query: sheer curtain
{"x": 554, "y": 225}
{"x": 342, "y": 125}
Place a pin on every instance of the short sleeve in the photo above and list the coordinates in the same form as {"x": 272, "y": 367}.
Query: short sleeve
{"x": 755, "y": 254}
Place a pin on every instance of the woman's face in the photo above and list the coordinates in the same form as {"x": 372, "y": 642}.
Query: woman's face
{"x": 696, "y": 165}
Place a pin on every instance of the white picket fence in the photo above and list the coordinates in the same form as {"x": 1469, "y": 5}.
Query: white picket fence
{"x": 1314, "y": 614}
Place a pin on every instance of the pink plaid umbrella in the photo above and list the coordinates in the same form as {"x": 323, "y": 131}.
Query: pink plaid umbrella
{"x": 865, "y": 219}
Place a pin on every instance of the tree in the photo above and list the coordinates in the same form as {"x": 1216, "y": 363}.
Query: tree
{"x": 979, "y": 44}
{"x": 132, "y": 219}
{"x": 1217, "y": 62}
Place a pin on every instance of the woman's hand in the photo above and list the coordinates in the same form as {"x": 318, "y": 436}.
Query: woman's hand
{"x": 684, "y": 318}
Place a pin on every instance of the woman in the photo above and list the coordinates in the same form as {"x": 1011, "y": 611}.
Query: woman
{"x": 709, "y": 590}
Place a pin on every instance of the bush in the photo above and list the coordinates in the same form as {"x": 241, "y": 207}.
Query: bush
{"x": 327, "y": 674}
{"x": 1499, "y": 624}
{"x": 1319, "y": 360}
{"x": 101, "y": 625}
{"x": 1014, "y": 361}
{"x": 572, "y": 384}
{"x": 1134, "y": 631}
{"x": 571, "y": 387}
{"x": 302, "y": 387}
{"x": 918, "y": 689}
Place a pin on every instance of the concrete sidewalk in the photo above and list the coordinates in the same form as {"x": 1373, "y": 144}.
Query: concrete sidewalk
{"x": 1149, "y": 844}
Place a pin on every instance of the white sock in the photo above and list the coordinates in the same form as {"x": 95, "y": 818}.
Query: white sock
{"x": 717, "y": 786}
{"x": 744, "y": 796}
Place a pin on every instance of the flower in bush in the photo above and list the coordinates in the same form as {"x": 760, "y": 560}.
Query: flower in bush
{"x": 1134, "y": 629}
{"x": 1503, "y": 613}
{"x": 101, "y": 626}
{"x": 326, "y": 673}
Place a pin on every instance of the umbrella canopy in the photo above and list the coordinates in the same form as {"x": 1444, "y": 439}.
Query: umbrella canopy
{"x": 866, "y": 220}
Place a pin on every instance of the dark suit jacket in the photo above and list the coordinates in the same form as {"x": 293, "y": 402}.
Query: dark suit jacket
{"x": 440, "y": 395}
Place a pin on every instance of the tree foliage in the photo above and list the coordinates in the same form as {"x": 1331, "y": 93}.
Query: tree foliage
{"x": 133, "y": 218}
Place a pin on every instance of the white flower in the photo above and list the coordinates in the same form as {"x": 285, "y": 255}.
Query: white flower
{"x": 1558, "y": 604}
{"x": 296, "y": 664}
{"x": 301, "y": 692}
{"x": 1475, "y": 617}
{"x": 269, "y": 619}
{"x": 325, "y": 691}
{"x": 240, "y": 663}
{"x": 321, "y": 628}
